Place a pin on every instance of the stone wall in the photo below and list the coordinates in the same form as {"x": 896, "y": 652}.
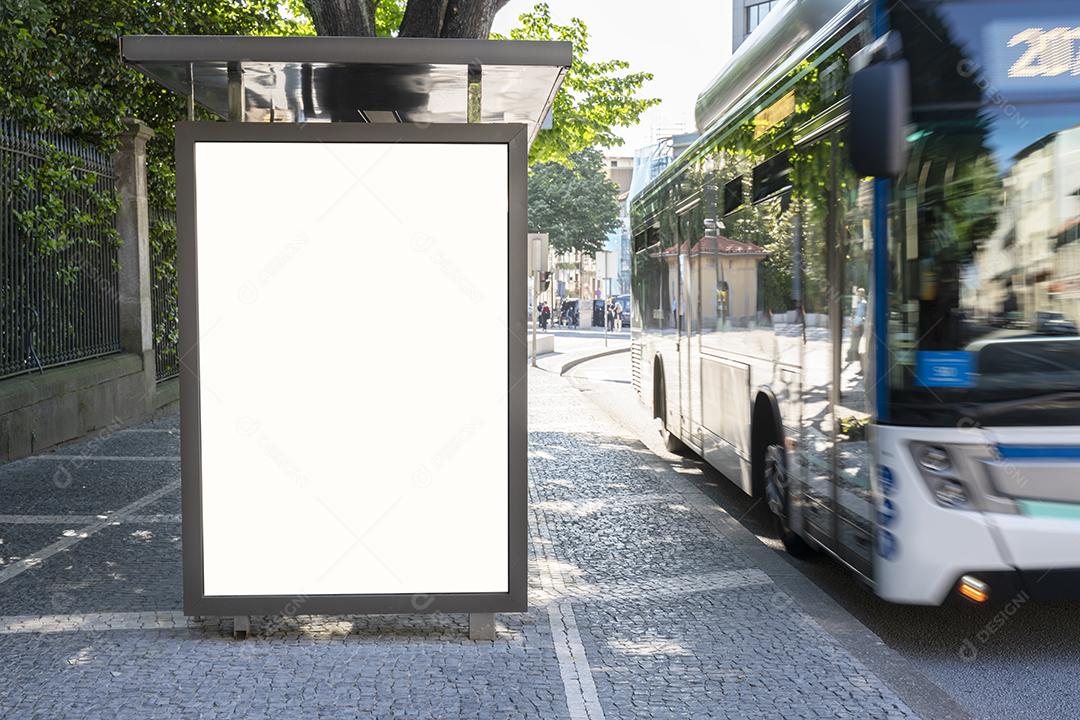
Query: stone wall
{"x": 65, "y": 403}
{"x": 43, "y": 409}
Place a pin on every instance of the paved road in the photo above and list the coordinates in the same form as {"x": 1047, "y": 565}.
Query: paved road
{"x": 1020, "y": 666}
{"x": 645, "y": 602}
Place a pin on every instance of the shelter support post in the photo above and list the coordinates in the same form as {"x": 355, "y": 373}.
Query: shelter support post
{"x": 191, "y": 92}
{"x": 475, "y": 94}
{"x": 481, "y": 626}
{"x": 236, "y": 91}
{"x": 241, "y": 623}
{"x": 535, "y": 312}
{"x": 241, "y": 626}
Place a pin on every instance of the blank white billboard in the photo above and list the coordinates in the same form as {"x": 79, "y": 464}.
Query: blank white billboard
{"x": 352, "y": 312}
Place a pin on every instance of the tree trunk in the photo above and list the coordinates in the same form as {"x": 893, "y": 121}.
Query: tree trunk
{"x": 343, "y": 17}
{"x": 468, "y": 18}
{"x": 423, "y": 18}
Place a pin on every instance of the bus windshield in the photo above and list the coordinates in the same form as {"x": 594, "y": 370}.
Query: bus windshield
{"x": 985, "y": 223}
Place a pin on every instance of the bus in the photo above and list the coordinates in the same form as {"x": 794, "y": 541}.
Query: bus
{"x": 889, "y": 359}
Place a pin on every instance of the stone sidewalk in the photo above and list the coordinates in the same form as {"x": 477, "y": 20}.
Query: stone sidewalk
{"x": 639, "y": 606}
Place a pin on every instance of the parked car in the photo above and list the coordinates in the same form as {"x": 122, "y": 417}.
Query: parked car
{"x": 1053, "y": 323}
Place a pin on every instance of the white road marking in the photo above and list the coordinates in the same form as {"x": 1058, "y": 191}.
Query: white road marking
{"x": 555, "y": 583}
{"x": 168, "y": 431}
{"x": 92, "y": 622}
{"x": 581, "y": 697}
{"x": 83, "y": 519}
{"x": 82, "y": 533}
{"x": 107, "y": 458}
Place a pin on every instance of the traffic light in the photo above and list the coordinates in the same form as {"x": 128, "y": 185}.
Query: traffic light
{"x": 547, "y": 280}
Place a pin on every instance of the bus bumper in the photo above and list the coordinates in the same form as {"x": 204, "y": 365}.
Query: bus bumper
{"x": 923, "y": 548}
{"x": 1011, "y": 585}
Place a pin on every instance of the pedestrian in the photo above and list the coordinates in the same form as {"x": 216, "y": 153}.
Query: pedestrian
{"x": 611, "y": 314}
{"x": 618, "y": 316}
{"x": 545, "y": 315}
{"x": 858, "y": 322}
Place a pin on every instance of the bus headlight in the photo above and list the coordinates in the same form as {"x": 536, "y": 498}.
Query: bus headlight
{"x": 934, "y": 458}
{"x": 941, "y": 476}
{"x": 951, "y": 494}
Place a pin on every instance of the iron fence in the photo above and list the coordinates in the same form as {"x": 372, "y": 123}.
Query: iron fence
{"x": 59, "y": 265}
{"x": 163, "y": 292}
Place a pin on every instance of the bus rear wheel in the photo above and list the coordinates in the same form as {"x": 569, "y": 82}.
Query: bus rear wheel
{"x": 778, "y": 495}
{"x": 672, "y": 443}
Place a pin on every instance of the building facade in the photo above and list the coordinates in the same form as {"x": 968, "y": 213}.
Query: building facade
{"x": 613, "y": 265}
{"x": 747, "y": 15}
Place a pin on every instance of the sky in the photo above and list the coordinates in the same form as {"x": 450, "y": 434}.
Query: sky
{"x": 683, "y": 43}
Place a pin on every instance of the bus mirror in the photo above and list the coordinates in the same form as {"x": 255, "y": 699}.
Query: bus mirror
{"x": 880, "y": 110}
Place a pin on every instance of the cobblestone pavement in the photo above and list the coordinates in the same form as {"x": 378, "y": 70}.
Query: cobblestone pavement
{"x": 639, "y": 607}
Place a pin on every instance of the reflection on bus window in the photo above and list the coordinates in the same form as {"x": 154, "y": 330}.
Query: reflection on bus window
{"x": 987, "y": 259}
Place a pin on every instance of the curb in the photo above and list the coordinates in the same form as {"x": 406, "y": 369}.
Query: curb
{"x": 586, "y": 358}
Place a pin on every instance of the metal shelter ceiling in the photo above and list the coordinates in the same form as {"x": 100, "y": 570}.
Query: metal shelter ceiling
{"x": 356, "y": 79}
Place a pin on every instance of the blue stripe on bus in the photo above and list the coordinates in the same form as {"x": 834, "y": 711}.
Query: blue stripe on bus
{"x": 879, "y": 19}
{"x": 1038, "y": 452}
{"x": 881, "y": 299}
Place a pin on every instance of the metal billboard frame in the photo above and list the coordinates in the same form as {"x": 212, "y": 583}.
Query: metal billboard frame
{"x": 196, "y": 602}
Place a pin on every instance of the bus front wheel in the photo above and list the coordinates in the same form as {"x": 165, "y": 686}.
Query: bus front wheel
{"x": 778, "y": 494}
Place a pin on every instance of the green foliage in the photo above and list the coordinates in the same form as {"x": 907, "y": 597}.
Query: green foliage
{"x": 163, "y": 245}
{"x": 853, "y": 429}
{"x": 574, "y": 203}
{"x": 60, "y": 71}
{"x": 388, "y": 15}
{"x": 60, "y": 67}
{"x": 595, "y": 98}
{"x": 53, "y": 223}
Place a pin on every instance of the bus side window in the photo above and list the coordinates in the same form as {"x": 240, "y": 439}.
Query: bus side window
{"x": 771, "y": 177}
{"x": 733, "y": 195}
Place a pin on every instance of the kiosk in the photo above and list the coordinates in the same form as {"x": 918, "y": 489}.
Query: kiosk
{"x": 349, "y": 444}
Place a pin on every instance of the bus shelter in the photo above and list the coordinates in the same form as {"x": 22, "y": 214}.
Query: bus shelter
{"x": 352, "y": 262}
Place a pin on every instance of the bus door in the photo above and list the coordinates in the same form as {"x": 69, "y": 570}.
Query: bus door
{"x": 834, "y": 450}
{"x": 671, "y": 344}
{"x": 814, "y": 236}
{"x": 689, "y": 355}
{"x": 854, "y": 503}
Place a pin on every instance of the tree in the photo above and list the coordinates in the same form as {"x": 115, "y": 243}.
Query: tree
{"x": 414, "y": 18}
{"x": 574, "y": 203}
{"x": 595, "y": 98}
{"x": 60, "y": 69}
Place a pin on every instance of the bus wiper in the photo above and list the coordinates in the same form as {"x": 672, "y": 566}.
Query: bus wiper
{"x": 982, "y": 410}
